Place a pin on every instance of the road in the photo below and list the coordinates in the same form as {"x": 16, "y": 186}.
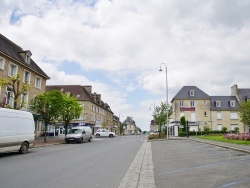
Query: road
{"x": 101, "y": 163}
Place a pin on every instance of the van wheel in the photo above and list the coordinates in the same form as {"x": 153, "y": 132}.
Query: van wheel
{"x": 98, "y": 135}
{"x": 90, "y": 140}
{"x": 110, "y": 136}
{"x": 81, "y": 140}
{"x": 24, "y": 148}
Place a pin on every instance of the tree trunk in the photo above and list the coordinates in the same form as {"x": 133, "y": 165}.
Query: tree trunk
{"x": 45, "y": 132}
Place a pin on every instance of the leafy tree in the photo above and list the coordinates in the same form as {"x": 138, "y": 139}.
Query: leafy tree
{"x": 49, "y": 105}
{"x": 17, "y": 87}
{"x": 206, "y": 129}
{"x": 160, "y": 116}
{"x": 71, "y": 109}
{"x": 244, "y": 110}
{"x": 183, "y": 122}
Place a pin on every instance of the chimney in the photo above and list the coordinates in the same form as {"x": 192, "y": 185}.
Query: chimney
{"x": 88, "y": 89}
{"x": 234, "y": 90}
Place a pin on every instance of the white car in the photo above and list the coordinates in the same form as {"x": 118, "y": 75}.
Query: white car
{"x": 104, "y": 133}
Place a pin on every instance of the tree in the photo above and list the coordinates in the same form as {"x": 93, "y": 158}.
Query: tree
{"x": 160, "y": 116}
{"x": 244, "y": 111}
{"x": 49, "y": 106}
{"x": 183, "y": 122}
{"x": 71, "y": 109}
{"x": 18, "y": 88}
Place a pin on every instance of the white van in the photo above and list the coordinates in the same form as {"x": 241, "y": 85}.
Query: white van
{"x": 79, "y": 134}
{"x": 16, "y": 130}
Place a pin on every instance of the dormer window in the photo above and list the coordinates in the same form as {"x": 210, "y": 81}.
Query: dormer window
{"x": 191, "y": 92}
{"x": 26, "y": 56}
{"x": 2, "y": 61}
{"x": 218, "y": 104}
{"x": 232, "y": 103}
{"x": 27, "y": 59}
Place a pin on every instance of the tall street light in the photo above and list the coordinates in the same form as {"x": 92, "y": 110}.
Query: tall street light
{"x": 166, "y": 93}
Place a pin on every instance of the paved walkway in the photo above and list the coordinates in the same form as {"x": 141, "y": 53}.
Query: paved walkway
{"x": 50, "y": 140}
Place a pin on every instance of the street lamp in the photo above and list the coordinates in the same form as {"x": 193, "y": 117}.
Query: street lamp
{"x": 166, "y": 93}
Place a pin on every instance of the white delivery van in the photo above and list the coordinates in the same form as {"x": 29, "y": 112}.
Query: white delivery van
{"x": 79, "y": 134}
{"x": 16, "y": 130}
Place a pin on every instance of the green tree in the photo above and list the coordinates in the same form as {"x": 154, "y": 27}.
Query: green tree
{"x": 160, "y": 116}
{"x": 224, "y": 129}
{"x": 18, "y": 88}
{"x": 71, "y": 109}
{"x": 244, "y": 111}
{"x": 183, "y": 122}
{"x": 49, "y": 106}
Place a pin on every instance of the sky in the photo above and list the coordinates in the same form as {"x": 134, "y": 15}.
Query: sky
{"x": 118, "y": 46}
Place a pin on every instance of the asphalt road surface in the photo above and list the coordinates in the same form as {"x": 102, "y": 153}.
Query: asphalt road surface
{"x": 101, "y": 163}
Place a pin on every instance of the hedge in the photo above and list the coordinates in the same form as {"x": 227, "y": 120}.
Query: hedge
{"x": 193, "y": 133}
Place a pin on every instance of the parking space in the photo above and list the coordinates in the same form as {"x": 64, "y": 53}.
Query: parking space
{"x": 185, "y": 163}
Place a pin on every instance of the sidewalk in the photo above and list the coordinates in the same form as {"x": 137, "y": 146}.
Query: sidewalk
{"x": 50, "y": 140}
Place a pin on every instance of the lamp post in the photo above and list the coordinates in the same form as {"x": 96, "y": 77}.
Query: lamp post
{"x": 166, "y": 93}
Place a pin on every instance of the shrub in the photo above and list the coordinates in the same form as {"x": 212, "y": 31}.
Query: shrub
{"x": 224, "y": 129}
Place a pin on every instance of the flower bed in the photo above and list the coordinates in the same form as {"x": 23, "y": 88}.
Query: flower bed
{"x": 241, "y": 136}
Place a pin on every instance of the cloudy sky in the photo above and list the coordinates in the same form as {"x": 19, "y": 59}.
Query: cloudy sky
{"x": 117, "y": 46}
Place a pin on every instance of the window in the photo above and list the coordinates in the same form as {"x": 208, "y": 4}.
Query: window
{"x": 26, "y": 77}
{"x": 219, "y": 127}
{"x": 205, "y": 103}
{"x": 233, "y": 126}
{"x": 205, "y": 114}
{"x": 182, "y": 114}
{"x": 192, "y": 116}
{"x": 38, "y": 82}
{"x": 2, "y": 61}
{"x": 217, "y": 103}
{"x": 191, "y": 92}
{"x": 9, "y": 97}
{"x": 232, "y": 103}
{"x": 181, "y": 104}
{"x": 233, "y": 115}
{"x": 24, "y": 101}
{"x": 192, "y": 103}
{"x": 12, "y": 70}
{"x": 219, "y": 115}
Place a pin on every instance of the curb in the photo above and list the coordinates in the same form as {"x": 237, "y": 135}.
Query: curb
{"x": 223, "y": 146}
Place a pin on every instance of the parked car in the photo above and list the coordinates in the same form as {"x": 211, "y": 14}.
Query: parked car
{"x": 79, "y": 134}
{"x": 104, "y": 133}
{"x": 16, "y": 130}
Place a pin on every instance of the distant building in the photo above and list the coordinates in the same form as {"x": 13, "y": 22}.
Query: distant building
{"x": 129, "y": 126}
{"x": 95, "y": 113}
{"x": 14, "y": 60}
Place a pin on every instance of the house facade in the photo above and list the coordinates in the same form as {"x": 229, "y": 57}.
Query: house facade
{"x": 95, "y": 113}
{"x": 202, "y": 110}
{"x": 16, "y": 61}
{"x": 129, "y": 126}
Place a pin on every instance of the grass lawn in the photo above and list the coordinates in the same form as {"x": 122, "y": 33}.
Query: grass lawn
{"x": 221, "y": 139}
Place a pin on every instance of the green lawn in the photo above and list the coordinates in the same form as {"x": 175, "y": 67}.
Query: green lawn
{"x": 221, "y": 139}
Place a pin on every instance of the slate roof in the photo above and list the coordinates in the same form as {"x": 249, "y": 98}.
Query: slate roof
{"x": 79, "y": 92}
{"x": 184, "y": 94}
{"x": 243, "y": 94}
{"x": 225, "y": 103}
{"x": 9, "y": 48}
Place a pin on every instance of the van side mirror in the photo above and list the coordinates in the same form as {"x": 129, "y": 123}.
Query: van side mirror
{"x": 83, "y": 132}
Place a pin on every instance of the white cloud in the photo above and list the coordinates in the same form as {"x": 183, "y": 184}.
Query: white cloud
{"x": 203, "y": 43}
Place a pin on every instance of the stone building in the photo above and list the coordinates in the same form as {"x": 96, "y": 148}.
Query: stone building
{"x": 202, "y": 110}
{"x": 95, "y": 113}
{"x": 14, "y": 60}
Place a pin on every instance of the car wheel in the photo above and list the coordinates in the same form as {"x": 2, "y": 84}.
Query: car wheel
{"x": 97, "y": 135}
{"x": 24, "y": 148}
{"x": 67, "y": 142}
{"x": 110, "y": 136}
{"x": 90, "y": 140}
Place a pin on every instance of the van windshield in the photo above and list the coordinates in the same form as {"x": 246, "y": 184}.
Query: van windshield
{"x": 75, "y": 131}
